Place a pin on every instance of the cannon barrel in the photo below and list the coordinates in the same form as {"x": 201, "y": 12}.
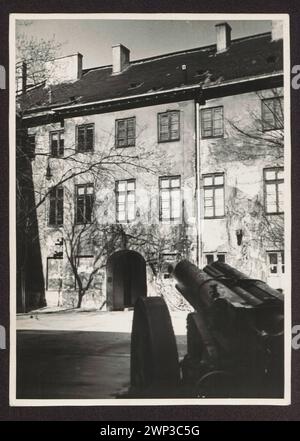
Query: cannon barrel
{"x": 235, "y": 337}
{"x": 221, "y": 289}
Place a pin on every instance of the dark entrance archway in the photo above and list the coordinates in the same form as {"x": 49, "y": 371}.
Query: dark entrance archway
{"x": 126, "y": 279}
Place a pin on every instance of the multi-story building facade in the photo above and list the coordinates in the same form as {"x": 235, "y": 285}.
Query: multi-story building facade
{"x": 142, "y": 163}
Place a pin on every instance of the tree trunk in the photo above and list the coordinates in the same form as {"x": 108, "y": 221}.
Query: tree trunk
{"x": 80, "y": 296}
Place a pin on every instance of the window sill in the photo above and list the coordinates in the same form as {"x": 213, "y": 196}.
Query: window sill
{"x": 125, "y": 146}
{"x": 274, "y": 213}
{"x": 85, "y": 151}
{"x": 213, "y": 137}
{"x": 168, "y": 140}
{"x": 214, "y": 217}
{"x": 125, "y": 222}
{"x": 273, "y": 129}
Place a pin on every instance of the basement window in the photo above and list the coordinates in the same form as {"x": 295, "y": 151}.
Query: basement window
{"x": 276, "y": 262}
{"x": 214, "y": 257}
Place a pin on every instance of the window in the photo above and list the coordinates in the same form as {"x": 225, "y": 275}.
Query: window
{"x": 54, "y": 273}
{"x": 84, "y": 203}
{"x": 85, "y": 138}
{"x": 213, "y": 195}
{"x": 168, "y": 263}
{"x": 125, "y": 199}
{"x": 169, "y": 199}
{"x": 212, "y": 123}
{"x": 272, "y": 113}
{"x": 57, "y": 143}
{"x": 56, "y": 213}
{"x": 213, "y": 257}
{"x": 30, "y": 146}
{"x": 276, "y": 262}
{"x": 273, "y": 182}
{"x": 125, "y": 132}
{"x": 169, "y": 126}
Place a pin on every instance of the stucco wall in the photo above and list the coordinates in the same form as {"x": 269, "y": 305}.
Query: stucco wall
{"x": 242, "y": 160}
{"x": 162, "y": 159}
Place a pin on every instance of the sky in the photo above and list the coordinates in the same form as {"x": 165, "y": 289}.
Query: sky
{"x": 145, "y": 38}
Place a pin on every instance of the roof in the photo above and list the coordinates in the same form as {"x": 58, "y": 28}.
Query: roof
{"x": 246, "y": 57}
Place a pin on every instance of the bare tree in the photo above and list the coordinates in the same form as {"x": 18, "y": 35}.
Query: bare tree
{"x": 256, "y": 134}
{"x": 35, "y": 53}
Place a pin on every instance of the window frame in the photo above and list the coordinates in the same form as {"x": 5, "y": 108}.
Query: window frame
{"x": 51, "y": 133}
{"x": 264, "y": 124}
{"x": 212, "y": 109}
{"x": 85, "y": 186}
{"x": 276, "y": 182}
{"x": 56, "y": 199}
{"x": 280, "y": 263}
{"x": 169, "y": 113}
{"x": 117, "y": 121}
{"x": 170, "y": 178}
{"x": 126, "y": 192}
{"x": 215, "y": 256}
{"x": 86, "y": 125}
{"x": 213, "y": 187}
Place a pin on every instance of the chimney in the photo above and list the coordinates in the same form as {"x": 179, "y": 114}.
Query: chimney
{"x": 120, "y": 58}
{"x": 223, "y": 36}
{"x": 277, "y": 30}
{"x": 64, "y": 69}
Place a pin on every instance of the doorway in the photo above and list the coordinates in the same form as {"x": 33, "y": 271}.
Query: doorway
{"x": 126, "y": 279}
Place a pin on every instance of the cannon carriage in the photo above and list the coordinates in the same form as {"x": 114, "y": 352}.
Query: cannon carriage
{"x": 235, "y": 338}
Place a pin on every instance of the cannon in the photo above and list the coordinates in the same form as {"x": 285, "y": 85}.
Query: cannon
{"x": 234, "y": 338}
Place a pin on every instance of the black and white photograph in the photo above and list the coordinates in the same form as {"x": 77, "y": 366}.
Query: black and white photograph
{"x": 150, "y": 242}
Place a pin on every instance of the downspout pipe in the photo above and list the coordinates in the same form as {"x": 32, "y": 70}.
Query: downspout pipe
{"x": 198, "y": 100}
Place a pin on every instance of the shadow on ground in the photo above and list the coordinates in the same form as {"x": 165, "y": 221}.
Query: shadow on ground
{"x": 74, "y": 364}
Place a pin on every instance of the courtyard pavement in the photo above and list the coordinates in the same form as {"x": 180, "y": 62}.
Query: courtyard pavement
{"x": 78, "y": 354}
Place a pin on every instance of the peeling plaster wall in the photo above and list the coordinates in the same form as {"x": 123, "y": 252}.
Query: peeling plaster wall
{"x": 172, "y": 158}
{"x": 242, "y": 163}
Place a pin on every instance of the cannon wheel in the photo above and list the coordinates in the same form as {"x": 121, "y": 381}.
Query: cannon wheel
{"x": 154, "y": 369}
{"x": 215, "y": 384}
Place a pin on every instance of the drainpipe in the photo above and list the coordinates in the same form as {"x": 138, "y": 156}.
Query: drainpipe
{"x": 198, "y": 171}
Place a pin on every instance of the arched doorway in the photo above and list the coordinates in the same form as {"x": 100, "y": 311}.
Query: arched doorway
{"x": 126, "y": 279}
